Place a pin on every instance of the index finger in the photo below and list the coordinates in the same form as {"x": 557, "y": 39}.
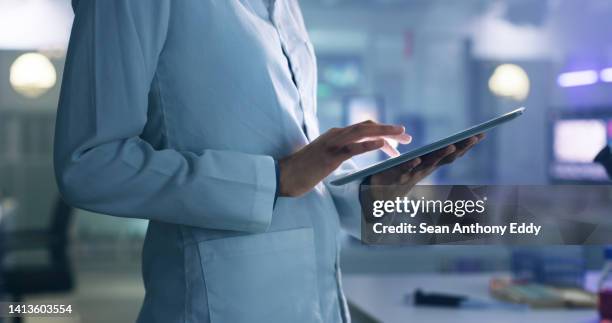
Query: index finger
{"x": 365, "y": 130}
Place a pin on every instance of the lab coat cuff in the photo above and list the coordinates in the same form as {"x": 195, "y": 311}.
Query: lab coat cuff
{"x": 263, "y": 201}
{"x": 348, "y": 204}
{"x": 353, "y": 197}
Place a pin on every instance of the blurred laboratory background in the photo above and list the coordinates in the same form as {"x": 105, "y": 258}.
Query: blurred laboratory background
{"x": 436, "y": 66}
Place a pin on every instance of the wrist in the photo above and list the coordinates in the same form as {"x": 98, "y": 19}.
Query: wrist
{"x": 284, "y": 176}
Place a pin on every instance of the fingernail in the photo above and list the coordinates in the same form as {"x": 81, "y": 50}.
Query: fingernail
{"x": 405, "y": 139}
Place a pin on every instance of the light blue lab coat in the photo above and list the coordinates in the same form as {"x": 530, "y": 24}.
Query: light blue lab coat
{"x": 174, "y": 111}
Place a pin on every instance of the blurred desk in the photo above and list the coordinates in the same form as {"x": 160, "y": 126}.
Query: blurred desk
{"x": 384, "y": 297}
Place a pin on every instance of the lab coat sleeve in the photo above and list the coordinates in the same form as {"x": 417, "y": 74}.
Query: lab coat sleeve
{"x": 102, "y": 164}
{"x": 347, "y": 199}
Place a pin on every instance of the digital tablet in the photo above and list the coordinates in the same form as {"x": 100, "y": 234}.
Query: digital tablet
{"x": 472, "y": 131}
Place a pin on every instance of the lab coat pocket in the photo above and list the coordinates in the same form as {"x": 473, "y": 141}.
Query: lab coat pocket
{"x": 269, "y": 277}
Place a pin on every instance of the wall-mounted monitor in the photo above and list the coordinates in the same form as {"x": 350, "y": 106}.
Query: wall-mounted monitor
{"x": 577, "y": 137}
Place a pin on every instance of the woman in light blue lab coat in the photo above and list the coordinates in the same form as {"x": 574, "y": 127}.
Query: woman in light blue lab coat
{"x": 201, "y": 117}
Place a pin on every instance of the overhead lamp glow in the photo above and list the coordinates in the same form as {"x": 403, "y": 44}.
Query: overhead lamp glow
{"x": 510, "y": 81}
{"x": 32, "y": 75}
{"x": 578, "y": 78}
{"x": 606, "y": 75}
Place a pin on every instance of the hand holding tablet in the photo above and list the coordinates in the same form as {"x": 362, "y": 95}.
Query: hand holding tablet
{"x": 305, "y": 168}
{"x": 400, "y": 179}
{"x": 439, "y": 147}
